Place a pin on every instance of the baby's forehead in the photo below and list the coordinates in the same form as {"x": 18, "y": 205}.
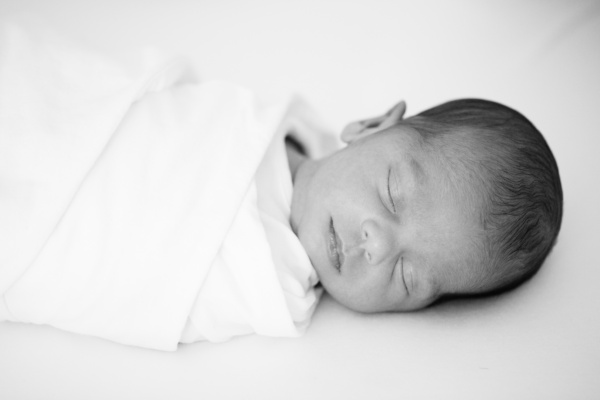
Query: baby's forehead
{"x": 465, "y": 279}
{"x": 450, "y": 239}
{"x": 453, "y": 275}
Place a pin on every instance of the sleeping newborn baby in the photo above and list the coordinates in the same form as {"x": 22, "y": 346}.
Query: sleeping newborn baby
{"x": 462, "y": 199}
{"x": 150, "y": 208}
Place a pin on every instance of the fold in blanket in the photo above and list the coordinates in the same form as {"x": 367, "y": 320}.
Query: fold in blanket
{"x": 118, "y": 189}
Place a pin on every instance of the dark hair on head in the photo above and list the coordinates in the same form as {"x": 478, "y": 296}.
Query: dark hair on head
{"x": 523, "y": 199}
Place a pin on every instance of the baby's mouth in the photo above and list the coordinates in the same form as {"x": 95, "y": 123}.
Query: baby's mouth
{"x": 334, "y": 245}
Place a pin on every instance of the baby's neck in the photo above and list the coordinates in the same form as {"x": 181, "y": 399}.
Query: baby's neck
{"x": 295, "y": 156}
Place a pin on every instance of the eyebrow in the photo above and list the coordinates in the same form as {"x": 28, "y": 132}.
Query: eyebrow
{"x": 418, "y": 171}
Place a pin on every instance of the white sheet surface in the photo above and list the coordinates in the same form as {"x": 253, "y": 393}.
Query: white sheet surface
{"x": 352, "y": 60}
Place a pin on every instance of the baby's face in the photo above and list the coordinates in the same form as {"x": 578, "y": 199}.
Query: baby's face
{"x": 380, "y": 226}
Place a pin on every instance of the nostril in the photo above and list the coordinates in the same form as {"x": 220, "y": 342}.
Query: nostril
{"x": 368, "y": 255}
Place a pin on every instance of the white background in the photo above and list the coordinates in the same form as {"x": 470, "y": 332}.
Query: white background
{"x": 350, "y": 60}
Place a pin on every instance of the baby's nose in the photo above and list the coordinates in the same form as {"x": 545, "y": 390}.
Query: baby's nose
{"x": 377, "y": 241}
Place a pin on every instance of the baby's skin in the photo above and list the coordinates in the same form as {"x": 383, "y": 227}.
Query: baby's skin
{"x": 379, "y": 221}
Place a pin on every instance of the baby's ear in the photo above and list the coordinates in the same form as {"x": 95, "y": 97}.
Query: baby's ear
{"x": 359, "y": 129}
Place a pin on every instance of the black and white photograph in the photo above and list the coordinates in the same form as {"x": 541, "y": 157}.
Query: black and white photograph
{"x": 303, "y": 199}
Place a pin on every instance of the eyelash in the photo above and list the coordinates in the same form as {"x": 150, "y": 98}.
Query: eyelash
{"x": 390, "y": 192}
{"x": 403, "y": 276}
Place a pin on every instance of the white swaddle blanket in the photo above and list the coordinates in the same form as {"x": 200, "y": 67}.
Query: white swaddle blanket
{"x": 130, "y": 203}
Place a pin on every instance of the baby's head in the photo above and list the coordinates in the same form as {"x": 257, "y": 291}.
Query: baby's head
{"x": 462, "y": 199}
